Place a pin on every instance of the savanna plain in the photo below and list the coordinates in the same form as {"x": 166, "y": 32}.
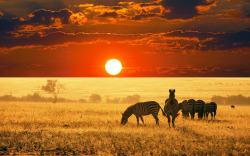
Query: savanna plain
{"x": 33, "y": 128}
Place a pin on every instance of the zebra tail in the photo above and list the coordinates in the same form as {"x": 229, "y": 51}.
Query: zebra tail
{"x": 163, "y": 113}
{"x": 177, "y": 115}
{"x": 215, "y": 109}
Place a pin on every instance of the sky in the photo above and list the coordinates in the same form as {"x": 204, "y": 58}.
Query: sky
{"x": 151, "y": 38}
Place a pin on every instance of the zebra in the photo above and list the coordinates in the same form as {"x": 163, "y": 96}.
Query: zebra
{"x": 171, "y": 107}
{"x": 206, "y": 110}
{"x": 232, "y": 106}
{"x": 184, "y": 108}
{"x": 210, "y": 108}
{"x": 199, "y": 108}
{"x": 142, "y": 108}
{"x": 190, "y": 106}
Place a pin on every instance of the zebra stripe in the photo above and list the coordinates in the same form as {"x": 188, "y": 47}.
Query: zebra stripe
{"x": 191, "y": 105}
{"x": 210, "y": 108}
{"x": 140, "y": 109}
{"x": 184, "y": 108}
{"x": 171, "y": 107}
{"x": 199, "y": 108}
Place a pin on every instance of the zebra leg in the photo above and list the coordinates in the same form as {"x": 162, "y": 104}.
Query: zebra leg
{"x": 212, "y": 115}
{"x": 168, "y": 120}
{"x": 137, "y": 120}
{"x": 173, "y": 118}
{"x": 200, "y": 115}
{"x": 142, "y": 120}
{"x": 156, "y": 119}
{"x": 192, "y": 116}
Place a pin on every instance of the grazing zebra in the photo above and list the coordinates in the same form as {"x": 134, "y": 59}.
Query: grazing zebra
{"x": 171, "y": 107}
{"x": 184, "y": 108}
{"x": 142, "y": 108}
{"x": 199, "y": 108}
{"x": 191, "y": 105}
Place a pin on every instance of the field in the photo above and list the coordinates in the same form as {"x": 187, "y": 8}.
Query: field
{"x": 95, "y": 129}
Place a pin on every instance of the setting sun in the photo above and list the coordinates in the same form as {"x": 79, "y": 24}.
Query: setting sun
{"x": 113, "y": 67}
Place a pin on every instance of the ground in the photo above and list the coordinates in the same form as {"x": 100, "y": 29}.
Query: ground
{"x": 95, "y": 129}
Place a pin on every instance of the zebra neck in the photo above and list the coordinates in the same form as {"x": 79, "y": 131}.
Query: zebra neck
{"x": 128, "y": 113}
{"x": 172, "y": 101}
{"x": 171, "y": 98}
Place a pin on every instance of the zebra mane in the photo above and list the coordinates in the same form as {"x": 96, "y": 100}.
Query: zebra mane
{"x": 128, "y": 111}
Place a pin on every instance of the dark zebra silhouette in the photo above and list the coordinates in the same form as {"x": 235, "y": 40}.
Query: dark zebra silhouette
{"x": 142, "y": 108}
{"x": 206, "y": 110}
{"x": 199, "y": 108}
{"x": 171, "y": 107}
{"x": 184, "y": 108}
{"x": 191, "y": 107}
{"x": 210, "y": 108}
{"x": 232, "y": 106}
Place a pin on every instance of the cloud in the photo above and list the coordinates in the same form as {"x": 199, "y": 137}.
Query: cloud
{"x": 24, "y": 7}
{"x": 143, "y": 14}
{"x": 227, "y": 41}
{"x": 58, "y": 38}
{"x": 183, "y": 9}
{"x": 33, "y": 32}
{"x": 38, "y": 21}
{"x": 239, "y": 13}
{"x": 191, "y": 34}
{"x": 117, "y": 7}
{"x": 109, "y": 14}
{"x": 8, "y": 24}
{"x": 48, "y": 17}
{"x": 192, "y": 70}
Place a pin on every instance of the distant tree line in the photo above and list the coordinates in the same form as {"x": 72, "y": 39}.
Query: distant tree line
{"x": 96, "y": 98}
{"x": 93, "y": 98}
{"x": 233, "y": 99}
{"x": 35, "y": 97}
{"x": 128, "y": 99}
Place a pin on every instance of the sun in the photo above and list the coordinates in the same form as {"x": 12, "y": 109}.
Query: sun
{"x": 113, "y": 67}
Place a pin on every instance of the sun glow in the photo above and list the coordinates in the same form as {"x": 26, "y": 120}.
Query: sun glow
{"x": 113, "y": 67}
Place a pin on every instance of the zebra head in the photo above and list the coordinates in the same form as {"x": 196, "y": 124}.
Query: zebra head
{"x": 124, "y": 119}
{"x": 171, "y": 94}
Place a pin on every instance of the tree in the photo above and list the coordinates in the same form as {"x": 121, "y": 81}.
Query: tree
{"x": 53, "y": 87}
{"x": 95, "y": 98}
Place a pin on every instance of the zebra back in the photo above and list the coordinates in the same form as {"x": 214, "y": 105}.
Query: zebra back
{"x": 199, "y": 106}
{"x": 190, "y": 105}
{"x": 214, "y": 107}
{"x": 146, "y": 108}
{"x": 184, "y": 108}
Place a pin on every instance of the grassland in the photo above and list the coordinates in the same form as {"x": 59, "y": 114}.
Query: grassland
{"x": 95, "y": 129}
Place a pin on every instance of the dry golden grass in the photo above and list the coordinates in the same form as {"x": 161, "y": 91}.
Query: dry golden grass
{"x": 95, "y": 129}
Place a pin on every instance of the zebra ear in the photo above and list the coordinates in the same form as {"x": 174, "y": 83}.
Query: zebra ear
{"x": 174, "y": 90}
{"x": 169, "y": 90}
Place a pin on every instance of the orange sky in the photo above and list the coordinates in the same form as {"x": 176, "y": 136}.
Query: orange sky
{"x": 162, "y": 38}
